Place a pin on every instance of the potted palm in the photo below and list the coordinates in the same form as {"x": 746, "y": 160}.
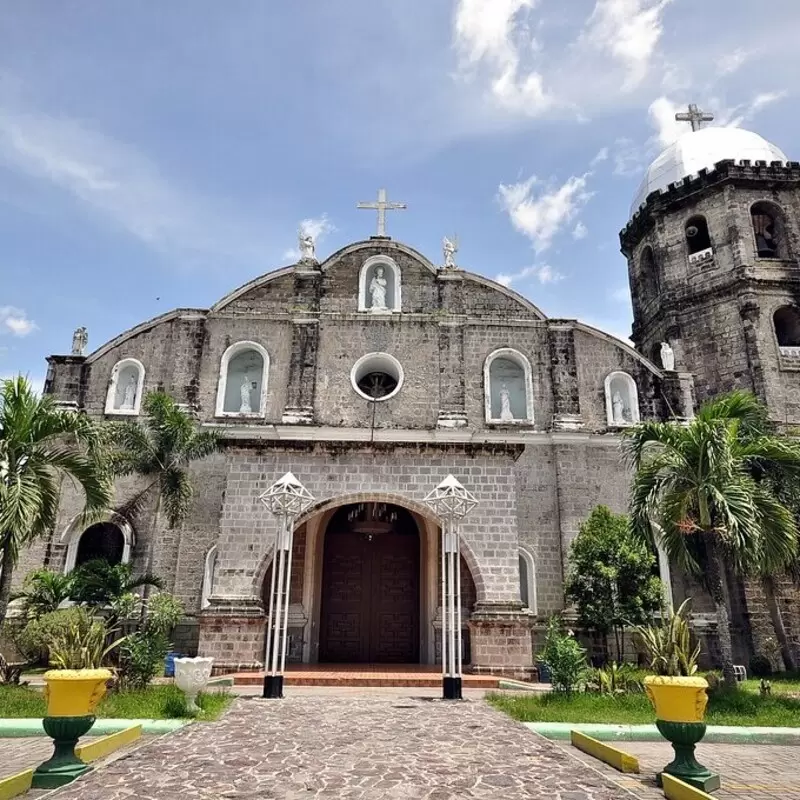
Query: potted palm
{"x": 72, "y": 690}
{"x": 678, "y": 694}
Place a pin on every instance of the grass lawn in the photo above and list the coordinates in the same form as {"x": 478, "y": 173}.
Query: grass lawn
{"x": 742, "y": 707}
{"x": 155, "y": 702}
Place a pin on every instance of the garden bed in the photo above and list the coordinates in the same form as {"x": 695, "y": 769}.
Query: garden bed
{"x": 741, "y": 707}
{"x": 155, "y": 702}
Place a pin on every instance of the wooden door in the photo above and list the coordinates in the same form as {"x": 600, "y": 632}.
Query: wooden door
{"x": 370, "y": 598}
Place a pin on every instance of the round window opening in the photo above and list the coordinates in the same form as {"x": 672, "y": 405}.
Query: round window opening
{"x": 377, "y": 376}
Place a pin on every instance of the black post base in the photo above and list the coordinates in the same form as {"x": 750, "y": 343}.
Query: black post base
{"x": 273, "y": 686}
{"x": 451, "y": 688}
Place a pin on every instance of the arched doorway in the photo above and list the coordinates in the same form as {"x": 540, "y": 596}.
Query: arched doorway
{"x": 370, "y": 604}
{"x": 103, "y": 541}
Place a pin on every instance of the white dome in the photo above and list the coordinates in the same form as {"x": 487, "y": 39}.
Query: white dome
{"x": 701, "y": 149}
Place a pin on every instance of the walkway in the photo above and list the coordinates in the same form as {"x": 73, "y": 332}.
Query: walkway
{"x": 366, "y": 747}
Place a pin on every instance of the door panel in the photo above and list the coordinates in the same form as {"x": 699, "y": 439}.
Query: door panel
{"x": 370, "y": 598}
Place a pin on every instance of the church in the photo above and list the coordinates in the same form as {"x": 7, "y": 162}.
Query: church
{"x": 375, "y": 372}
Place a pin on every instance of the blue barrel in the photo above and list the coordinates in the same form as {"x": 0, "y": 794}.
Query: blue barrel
{"x": 169, "y": 664}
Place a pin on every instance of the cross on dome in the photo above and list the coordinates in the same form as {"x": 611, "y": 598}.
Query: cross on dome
{"x": 383, "y": 205}
{"x": 695, "y": 117}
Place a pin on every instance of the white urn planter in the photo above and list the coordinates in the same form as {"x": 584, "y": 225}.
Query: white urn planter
{"x": 191, "y": 677}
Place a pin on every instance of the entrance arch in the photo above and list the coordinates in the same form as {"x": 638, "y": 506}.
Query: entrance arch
{"x": 370, "y": 600}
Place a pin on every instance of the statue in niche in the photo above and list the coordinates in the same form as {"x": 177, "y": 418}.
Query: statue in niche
{"x": 377, "y": 290}
{"x": 307, "y": 246}
{"x": 667, "y": 357}
{"x": 450, "y": 248}
{"x": 129, "y": 394}
{"x": 79, "y": 341}
{"x": 505, "y": 404}
{"x": 619, "y": 412}
{"x": 245, "y": 407}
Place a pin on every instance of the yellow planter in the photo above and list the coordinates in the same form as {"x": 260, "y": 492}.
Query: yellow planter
{"x": 74, "y": 692}
{"x": 677, "y": 699}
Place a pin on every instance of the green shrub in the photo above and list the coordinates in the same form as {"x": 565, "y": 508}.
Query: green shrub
{"x": 669, "y": 644}
{"x": 615, "y": 679}
{"x": 80, "y": 642}
{"x": 564, "y": 657}
{"x": 760, "y": 666}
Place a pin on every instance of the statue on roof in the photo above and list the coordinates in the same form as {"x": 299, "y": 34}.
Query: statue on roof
{"x": 449, "y": 248}
{"x": 80, "y": 339}
{"x": 307, "y": 246}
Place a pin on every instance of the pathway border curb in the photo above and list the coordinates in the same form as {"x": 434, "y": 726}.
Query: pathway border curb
{"x": 715, "y": 734}
{"x": 620, "y": 760}
{"x": 15, "y": 728}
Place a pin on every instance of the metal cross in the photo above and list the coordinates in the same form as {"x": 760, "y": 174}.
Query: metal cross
{"x": 695, "y": 117}
{"x": 383, "y": 205}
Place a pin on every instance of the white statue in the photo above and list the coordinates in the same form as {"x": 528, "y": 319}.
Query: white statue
{"x": 450, "y": 249}
{"x": 667, "y": 357}
{"x": 505, "y": 404}
{"x": 307, "y": 246}
{"x": 129, "y": 394}
{"x": 377, "y": 290}
{"x": 618, "y": 409}
{"x": 79, "y": 341}
{"x": 245, "y": 407}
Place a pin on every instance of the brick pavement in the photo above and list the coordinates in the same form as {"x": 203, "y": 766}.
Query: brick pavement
{"x": 366, "y": 747}
{"x": 749, "y": 772}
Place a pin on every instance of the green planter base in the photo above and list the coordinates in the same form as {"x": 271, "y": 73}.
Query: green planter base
{"x": 63, "y": 766}
{"x": 683, "y": 736}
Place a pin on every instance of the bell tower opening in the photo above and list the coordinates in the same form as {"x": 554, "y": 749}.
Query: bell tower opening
{"x": 370, "y": 611}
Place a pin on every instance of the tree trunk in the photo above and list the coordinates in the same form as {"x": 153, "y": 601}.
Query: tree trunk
{"x": 777, "y": 622}
{"x": 149, "y": 561}
{"x": 717, "y": 589}
{"x": 5, "y": 578}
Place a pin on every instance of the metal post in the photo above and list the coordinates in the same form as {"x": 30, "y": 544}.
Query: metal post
{"x": 290, "y": 533}
{"x": 444, "y": 605}
{"x": 459, "y": 632}
{"x": 268, "y": 646}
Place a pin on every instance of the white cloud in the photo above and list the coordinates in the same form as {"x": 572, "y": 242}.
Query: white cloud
{"x": 543, "y": 273}
{"x": 541, "y": 216}
{"x": 15, "y": 321}
{"x": 630, "y": 159}
{"x": 662, "y": 116}
{"x": 496, "y": 34}
{"x": 116, "y": 182}
{"x": 602, "y": 155}
{"x": 728, "y": 63}
{"x": 738, "y": 115}
{"x": 580, "y": 231}
{"x": 315, "y": 227}
{"x": 629, "y": 31}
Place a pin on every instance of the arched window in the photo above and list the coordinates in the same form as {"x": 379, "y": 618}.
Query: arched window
{"x": 527, "y": 581}
{"x": 787, "y": 326}
{"x": 379, "y": 286}
{"x": 649, "y": 275}
{"x": 622, "y": 399}
{"x": 243, "y": 376}
{"x": 698, "y": 238}
{"x": 208, "y": 577}
{"x": 110, "y": 540}
{"x": 769, "y": 231}
{"x": 125, "y": 386}
{"x": 508, "y": 388}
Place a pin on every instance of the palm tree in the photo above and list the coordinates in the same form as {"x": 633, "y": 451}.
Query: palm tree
{"x": 43, "y": 591}
{"x": 98, "y": 583}
{"x": 698, "y": 483}
{"x": 39, "y": 446}
{"x": 160, "y": 448}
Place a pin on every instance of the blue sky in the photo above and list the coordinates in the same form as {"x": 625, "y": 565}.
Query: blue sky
{"x": 157, "y": 155}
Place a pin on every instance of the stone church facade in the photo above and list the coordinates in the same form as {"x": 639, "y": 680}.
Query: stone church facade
{"x": 373, "y": 374}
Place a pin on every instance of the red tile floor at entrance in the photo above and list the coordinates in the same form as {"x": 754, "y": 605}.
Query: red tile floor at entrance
{"x": 349, "y": 747}
{"x": 408, "y": 675}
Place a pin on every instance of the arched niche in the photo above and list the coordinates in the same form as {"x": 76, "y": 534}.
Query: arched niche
{"x": 622, "y": 399}
{"x": 379, "y": 286}
{"x": 786, "y": 321}
{"x": 210, "y": 568}
{"x": 125, "y": 387}
{"x": 769, "y": 230}
{"x": 508, "y": 388}
{"x": 527, "y": 580}
{"x": 111, "y": 539}
{"x": 649, "y": 275}
{"x": 243, "y": 379}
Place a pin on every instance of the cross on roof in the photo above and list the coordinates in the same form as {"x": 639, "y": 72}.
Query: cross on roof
{"x": 695, "y": 117}
{"x": 382, "y": 206}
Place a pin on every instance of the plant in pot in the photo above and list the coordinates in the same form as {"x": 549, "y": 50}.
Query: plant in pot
{"x": 678, "y": 694}
{"x": 73, "y": 689}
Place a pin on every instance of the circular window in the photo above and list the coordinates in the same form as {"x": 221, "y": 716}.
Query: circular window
{"x": 377, "y": 376}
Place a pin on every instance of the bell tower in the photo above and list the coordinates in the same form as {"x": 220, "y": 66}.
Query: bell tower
{"x": 712, "y": 246}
